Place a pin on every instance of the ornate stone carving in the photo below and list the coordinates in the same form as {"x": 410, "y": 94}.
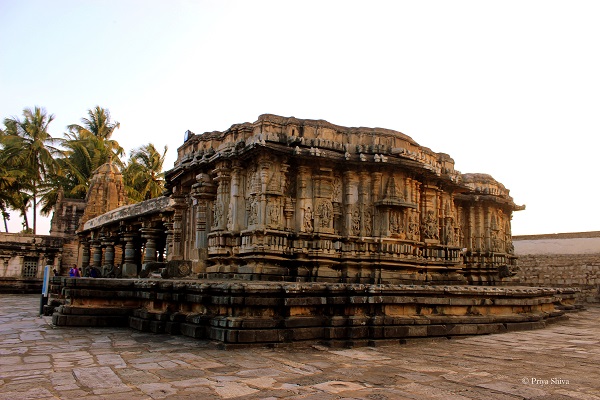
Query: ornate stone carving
{"x": 273, "y": 213}
{"x": 396, "y": 223}
{"x": 429, "y": 226}
{"x": 253, "y": 212}
{"x": 308, "y": 220}
{"x": 368, "y": 215}
{"x": 336, "y": 190}
{"x": 230, "y": 217}
{"x": 324, "y": 212}
{"x": 355, "y": 224}
{"x": 217, "y": 214}
{"x": 413, "y": 227}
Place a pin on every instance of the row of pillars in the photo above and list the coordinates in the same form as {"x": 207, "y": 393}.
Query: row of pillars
{"x": 103, "y": 248}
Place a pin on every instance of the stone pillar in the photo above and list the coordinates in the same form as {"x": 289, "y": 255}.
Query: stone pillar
{"x": 177, "y": 238}
{"x": 150, "y": 235}
{"x": 221, "y": 207}
{"x": 96, "y": 256}
{"x": 204, "y": 193}
{"x": 129, "y": 269}
{"x": 109, "y": 258}
{"x": 85, "y": 253}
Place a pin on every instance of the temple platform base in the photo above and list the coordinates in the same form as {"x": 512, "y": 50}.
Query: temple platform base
{"x": 245, "y": 313}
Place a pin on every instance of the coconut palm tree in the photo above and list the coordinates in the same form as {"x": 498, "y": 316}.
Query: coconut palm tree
{"x": 86, "y": 147}
{"x": 143, "y": 175}
{"x": 9, "y": 180}
{"x": 95, "y": 135}
{"x": 29, "y": 148}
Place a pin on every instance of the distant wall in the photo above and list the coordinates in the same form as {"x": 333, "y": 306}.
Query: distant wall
{"x": 561, "y": 260}
{"x": 22, "y": 260}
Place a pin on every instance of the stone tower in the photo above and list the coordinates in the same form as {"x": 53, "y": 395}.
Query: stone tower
{"x": 106, "y": 192}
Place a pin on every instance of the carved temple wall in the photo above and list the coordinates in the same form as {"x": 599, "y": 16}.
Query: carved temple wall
{"x": 304, "y": 200}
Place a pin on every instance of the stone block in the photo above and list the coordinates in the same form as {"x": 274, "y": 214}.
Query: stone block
{"x": 358, "y": 332}
{"x": 485, "y": 329}
{"x": 139, "y": 324}
{"x": 258, "y": 323}
{"x": 522, "y": 326}
{"x": 313, "y": 333}
{"x": 376, "y": 332}
{"x": 334, "y": 333}
{"x": 129, "y": 270}
{"x": 157, "y": 326}
{"x": 304, "y": 301}
{"x": 464, "y": 329}
{"x": 437, "y": 330}
{"x": 299, "y": 322}
{"x": 262, "y": 301}
{"x": 173, "y": 328}
{"x": 192, "y": 330}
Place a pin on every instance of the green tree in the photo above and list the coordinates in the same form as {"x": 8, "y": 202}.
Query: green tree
{"x": 96, "y": 133}
{"x": 143, "y": 175}
{"x": 29, "y": 148}
{"x": 86, "y": 147}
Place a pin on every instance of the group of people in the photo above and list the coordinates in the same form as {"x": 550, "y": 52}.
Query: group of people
{"x": 75, "y": 272}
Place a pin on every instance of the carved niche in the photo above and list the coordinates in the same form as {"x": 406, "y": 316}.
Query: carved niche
{"x": 429, "y": 226}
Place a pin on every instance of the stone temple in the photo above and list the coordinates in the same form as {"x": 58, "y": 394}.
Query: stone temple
{"x": 287, "y": 229}
{"x": 303, "y": 200}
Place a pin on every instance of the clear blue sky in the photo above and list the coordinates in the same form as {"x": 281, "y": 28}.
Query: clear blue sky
{"x": 509, "y": 88}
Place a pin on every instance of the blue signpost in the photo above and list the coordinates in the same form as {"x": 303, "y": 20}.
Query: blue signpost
{"x": 45, "y": 287}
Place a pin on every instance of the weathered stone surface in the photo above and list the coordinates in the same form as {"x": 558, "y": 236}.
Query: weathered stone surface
{"x": 39, "y": 361}
{"x": 222, "y": 313}
{"x": 561, "y": 260}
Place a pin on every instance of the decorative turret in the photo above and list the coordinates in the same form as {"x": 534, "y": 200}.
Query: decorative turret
{"x": 106, "y": 192}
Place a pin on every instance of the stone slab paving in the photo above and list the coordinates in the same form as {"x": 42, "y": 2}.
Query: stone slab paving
{"x": 39, "y": 361}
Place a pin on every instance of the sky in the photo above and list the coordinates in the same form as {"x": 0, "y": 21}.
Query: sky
{"x": 507, "y": 88}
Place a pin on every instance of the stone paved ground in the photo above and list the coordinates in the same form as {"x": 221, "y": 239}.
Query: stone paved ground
{"x": 38, "y": 361}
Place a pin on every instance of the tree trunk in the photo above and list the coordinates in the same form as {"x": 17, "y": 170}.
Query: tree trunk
{"x": 25, "y": 220}
{"x": 34, "y": 210}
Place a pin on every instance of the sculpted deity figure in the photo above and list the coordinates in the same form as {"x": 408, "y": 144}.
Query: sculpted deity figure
{"x": 368, "y": 221}
{"x": 273, "y": 213}
{"x": 253, "y": 215}
{"x": 308, "y": 220}
{"x": 429, "y": 227}
{"x": 325, "y": 213}
{"x": 356, "y": 222}
{"x": 217, "y": 214}
{"x": 230, "y": 217}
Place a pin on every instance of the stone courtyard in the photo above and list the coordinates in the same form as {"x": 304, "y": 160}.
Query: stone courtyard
{"x": 39, "y": 361}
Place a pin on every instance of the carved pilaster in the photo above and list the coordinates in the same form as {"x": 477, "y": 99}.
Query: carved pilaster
{"x": 352, "y": 220}
{"x": 305, "y": 205}
{"x": 204, "y": 193}
{"x": 176, "y": 240}
{"x": 221, "y": 205}
{"x": 366, "y": 214}
{"x": 235, "y": 202}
